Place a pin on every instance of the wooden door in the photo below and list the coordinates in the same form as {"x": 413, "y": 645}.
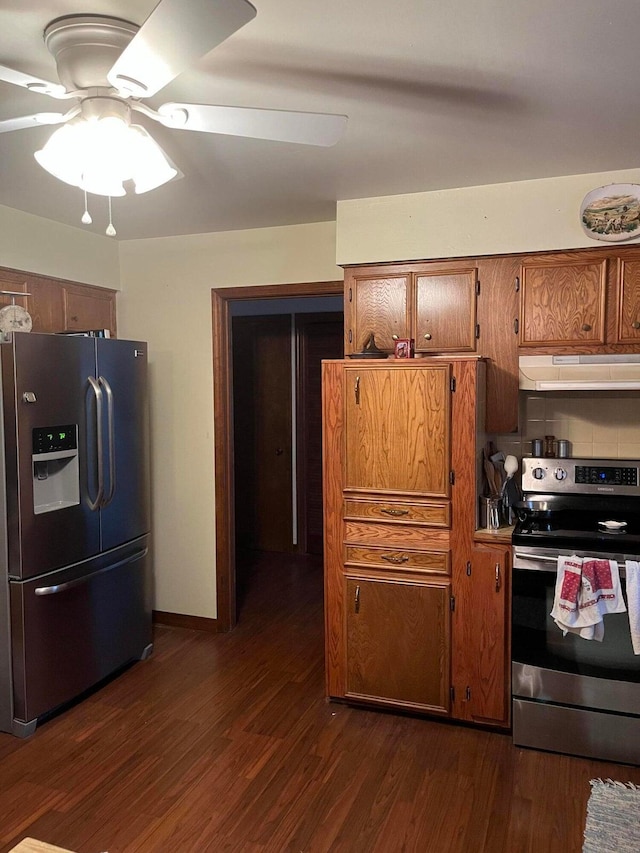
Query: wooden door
{"x": 445, "y": 310}
{"x": 89, "y": 308}
{"x": 397, "y": 421}
{"x": 628, "y": 325}
{"x": 318, "y": 336}
{"x": 398, "y": 642}
{"x": 262, "y": 432}
{"x": 376, "y": 304}
{"x": 562, "y": 301}
{"x": 481, "y": 631}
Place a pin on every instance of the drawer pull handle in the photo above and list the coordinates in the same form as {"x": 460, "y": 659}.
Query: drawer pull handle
{"x": 395, "y": 511}
{"x": 395, "y": 558}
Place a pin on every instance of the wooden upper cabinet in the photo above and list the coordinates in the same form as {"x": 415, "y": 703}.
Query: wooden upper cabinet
{"x": 398, "y": 642}
{"x": 562, "y": 300}
{"x": 397, "y": 428}
{"x": 88, "y": 308}
{"x": 378, "y": 305}
{"x": 56, "y": 305}
{"x": 445, "y": 310}
{"x": 628, "y": 325}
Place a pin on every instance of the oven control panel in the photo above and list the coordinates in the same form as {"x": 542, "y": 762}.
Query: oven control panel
{"x": 581, "y": 476}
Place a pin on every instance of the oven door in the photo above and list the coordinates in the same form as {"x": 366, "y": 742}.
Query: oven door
{"x": 575, "y": 696}
{"x": 550, "y": 667}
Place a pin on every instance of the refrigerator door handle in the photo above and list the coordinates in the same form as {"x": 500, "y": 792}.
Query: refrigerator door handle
{"x": 112, "y": 440}
{"x": 62, "y": 587}
{"x": 95, "y": 504}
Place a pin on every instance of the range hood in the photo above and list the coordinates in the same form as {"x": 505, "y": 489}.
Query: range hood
{"x": 579, "y": 372}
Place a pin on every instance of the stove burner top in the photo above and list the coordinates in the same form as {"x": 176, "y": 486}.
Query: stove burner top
{"x": 579, "y": 523}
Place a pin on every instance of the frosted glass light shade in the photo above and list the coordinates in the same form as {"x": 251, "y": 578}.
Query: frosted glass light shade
{"x": 99, "y": 155}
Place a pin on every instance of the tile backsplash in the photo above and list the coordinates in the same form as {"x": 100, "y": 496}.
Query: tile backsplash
{"x": 605, "y": 425}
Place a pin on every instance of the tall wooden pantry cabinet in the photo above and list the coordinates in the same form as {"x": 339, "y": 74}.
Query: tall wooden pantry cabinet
{"x": 401, "y": 449}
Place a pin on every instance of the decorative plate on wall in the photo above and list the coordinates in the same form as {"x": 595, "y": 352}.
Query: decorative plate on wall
{"x": 612, "y": 213}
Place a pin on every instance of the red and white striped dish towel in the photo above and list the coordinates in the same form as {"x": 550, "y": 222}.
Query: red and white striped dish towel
{"x": 632, "y": 568}
{"x": 586, "y": 590}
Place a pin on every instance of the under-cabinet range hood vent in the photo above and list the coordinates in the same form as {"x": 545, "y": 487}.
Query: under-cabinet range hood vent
{"x": 580, "y": 372}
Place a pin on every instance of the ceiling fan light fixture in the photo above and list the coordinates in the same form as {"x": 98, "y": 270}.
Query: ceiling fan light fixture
{"x": 99, "y": 154}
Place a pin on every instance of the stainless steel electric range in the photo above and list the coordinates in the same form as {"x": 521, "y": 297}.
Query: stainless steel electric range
{"x": 572, "y": 695}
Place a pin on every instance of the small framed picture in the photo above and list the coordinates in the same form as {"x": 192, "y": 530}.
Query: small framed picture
{"x": 404, "y": 348}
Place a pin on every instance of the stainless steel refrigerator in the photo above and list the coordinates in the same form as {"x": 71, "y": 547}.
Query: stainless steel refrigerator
{"x": 75, "y": 597}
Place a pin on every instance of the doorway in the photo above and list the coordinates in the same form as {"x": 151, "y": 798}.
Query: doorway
{"x": 222, "y": 304}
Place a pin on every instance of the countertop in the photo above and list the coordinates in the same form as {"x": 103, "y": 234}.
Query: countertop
{"x": 502, "y": 535}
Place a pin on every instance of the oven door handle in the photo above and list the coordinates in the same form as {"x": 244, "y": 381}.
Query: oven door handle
{"x": 535, "y": 558}
{"x": 541, "y": 558}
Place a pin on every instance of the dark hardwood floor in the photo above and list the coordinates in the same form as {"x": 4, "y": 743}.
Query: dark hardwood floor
{"x": 226, "y": 743}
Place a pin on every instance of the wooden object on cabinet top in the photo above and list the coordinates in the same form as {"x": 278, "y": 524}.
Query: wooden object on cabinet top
{"x": 54, "y": 303}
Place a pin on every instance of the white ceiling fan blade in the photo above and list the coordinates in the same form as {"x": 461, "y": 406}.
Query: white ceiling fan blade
{"x": 34, "y": 84}
{"x": 174, "y": 37}
{"x": 31, "y": 121}
{"x": 279, "y": 125}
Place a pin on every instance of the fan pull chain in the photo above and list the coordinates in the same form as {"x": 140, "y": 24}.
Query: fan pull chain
{"x": 111, "y": 231}
{"x": 86, "y": 216}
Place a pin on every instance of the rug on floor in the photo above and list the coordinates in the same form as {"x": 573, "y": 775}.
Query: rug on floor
{"x": 613, "y": 818}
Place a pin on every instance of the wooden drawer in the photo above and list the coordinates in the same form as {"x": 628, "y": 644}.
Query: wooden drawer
{"x": 432, "y": 513}
{"x": 398, "y": 558}
{"x": 413, "y": 536}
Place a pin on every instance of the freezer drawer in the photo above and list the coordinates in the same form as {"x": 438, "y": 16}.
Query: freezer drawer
{"x": 73, "y": 627}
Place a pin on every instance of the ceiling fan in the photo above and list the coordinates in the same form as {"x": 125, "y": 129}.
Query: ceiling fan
{"x": 107, "y": 67}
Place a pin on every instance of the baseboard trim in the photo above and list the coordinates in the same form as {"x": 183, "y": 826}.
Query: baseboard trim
{"x": 181, "y": 620}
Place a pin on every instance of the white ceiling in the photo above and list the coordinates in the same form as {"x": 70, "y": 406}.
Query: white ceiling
{"x": 439, "y": 94}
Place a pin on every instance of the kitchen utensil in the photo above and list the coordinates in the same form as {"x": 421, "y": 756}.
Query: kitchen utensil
{"x": 492, "y": 477}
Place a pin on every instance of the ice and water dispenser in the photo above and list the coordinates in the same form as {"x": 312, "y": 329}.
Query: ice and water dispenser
{"x": 56, "y": 474}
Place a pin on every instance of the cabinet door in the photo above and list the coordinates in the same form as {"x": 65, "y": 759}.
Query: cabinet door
{"x": 89, "y": 308}
{"x": 378, "y": 305}
{"x": 398, "y": 647}
{"x": 628, "y": 326}
{"x": 445, "y": 310}
{"x": 397, "y": 422}
{"x": 562, "y": 301}
{"x": 481, "y": 665}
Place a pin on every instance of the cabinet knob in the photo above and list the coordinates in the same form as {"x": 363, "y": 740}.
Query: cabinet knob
{"x": 395, "y": 337}
{"x": 427, "y": 337}
{"x": 586, "y": 327}
{"x": 635, "y": 324}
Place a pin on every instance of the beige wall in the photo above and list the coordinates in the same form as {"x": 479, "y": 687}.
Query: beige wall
{"x": 34, "y": 244}
{"x": 166, "y": 300}
{"x": 498, "y": 219}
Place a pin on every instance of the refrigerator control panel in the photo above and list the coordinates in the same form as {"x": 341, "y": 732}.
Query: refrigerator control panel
{"x": 54, "y": 439}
